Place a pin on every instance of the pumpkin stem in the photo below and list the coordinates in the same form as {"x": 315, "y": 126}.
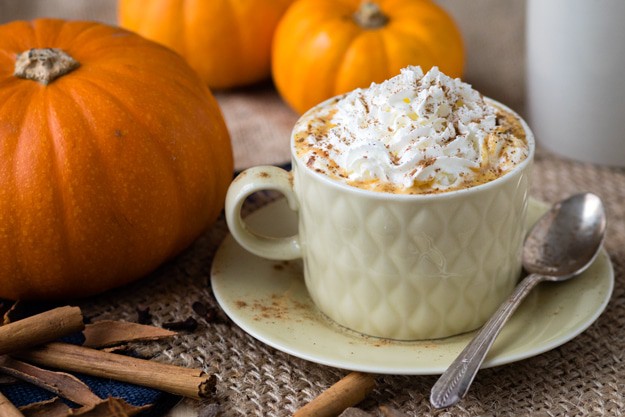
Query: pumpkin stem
{"x": 44, "y": 65}
{"x": 370, "y": 16}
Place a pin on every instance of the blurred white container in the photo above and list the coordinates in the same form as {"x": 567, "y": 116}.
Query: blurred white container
{"x": 576, "y": 78}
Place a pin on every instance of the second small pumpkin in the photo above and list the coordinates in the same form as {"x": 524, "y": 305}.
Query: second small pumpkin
{"x": 323, "y": 48}
{"x": 228, "y": 42}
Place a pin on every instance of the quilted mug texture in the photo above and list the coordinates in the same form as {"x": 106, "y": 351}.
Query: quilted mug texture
{"x": 409, "y": 268}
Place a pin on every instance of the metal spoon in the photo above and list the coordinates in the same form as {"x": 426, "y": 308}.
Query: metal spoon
{"x": 563, "y": 243}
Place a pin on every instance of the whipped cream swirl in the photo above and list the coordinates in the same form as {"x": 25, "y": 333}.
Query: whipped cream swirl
{"x": 417, "y": 132}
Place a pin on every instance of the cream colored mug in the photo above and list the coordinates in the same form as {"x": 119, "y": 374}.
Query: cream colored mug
{"x": 396, "y": 266}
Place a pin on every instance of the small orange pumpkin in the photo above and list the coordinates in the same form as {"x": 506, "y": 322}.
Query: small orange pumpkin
{"x": 323, "y": 48}
{"x": 228, "y": 42}
{"x": 114, "y": 156}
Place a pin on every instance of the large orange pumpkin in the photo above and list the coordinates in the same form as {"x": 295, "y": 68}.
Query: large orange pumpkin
{"x": 228, "y": 42}
{"x": 107, "y": 170}
{"x": 323, "y": 48}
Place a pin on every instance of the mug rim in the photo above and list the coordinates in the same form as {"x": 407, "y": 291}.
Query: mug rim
{"x": 522, "y": 166}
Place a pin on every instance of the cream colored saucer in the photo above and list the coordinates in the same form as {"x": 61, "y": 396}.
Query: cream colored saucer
{"x": 268, "y": 300}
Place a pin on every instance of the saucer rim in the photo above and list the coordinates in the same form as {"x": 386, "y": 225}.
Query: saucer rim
{"x": 501, "y": 358}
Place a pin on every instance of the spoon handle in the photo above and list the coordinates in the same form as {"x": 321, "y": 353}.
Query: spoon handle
{"x": 456, "y": 380}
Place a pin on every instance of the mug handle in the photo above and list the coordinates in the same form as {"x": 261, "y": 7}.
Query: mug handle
{"x": 245, "y": 184}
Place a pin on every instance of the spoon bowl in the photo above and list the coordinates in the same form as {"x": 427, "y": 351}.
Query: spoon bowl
{"x": 561, "y": 245}
{"x": 566, "y": 239}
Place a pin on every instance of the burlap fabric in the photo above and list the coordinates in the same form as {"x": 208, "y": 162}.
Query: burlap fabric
{"x": 584, "y": 377}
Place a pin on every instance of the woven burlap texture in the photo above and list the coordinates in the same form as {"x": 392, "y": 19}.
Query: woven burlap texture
{"x": 584, "y": 377}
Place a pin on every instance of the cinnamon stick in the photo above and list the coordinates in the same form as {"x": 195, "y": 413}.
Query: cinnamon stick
{"x": 107, "y": 333}
{"x": 6, "y": 380}
{"x": 348, "y": 391}
{"x": 62, "y": 384}
{"x": 110, "y": 407}
{"x": 7, "y": 409}
{"x": 40, "y": 328}
{"x": 48, "y": 408}
{"x": 187, "y": 382}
